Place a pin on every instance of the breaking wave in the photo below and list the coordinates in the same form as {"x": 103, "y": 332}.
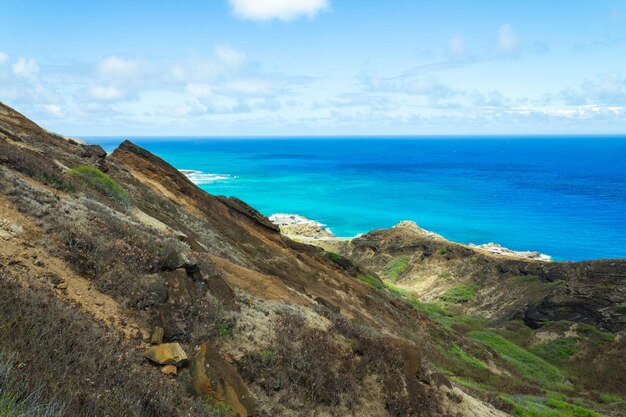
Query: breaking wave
{"x": 199, "y": 177}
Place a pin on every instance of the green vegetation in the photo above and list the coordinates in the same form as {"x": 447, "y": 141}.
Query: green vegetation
{"x": 465, "y": 359}
{"x": 557, "y": 351}
{"x": 395, "y": 267}
{"x": 444, "y": 275}
{"x": 15, "y": 398}
{"x": 101, "y": 182}
{"x": 462, "y": 293}
{"x": 556, "y": 284}
{"x": 523, "y": 279}
{"x": 223, "y": 329}
{"x": 57, "y": 183}
{"x": 443, "y": 250}
{"x": 533, "y": 368}
{"x": 595, "y": 334}
{"x": 550, "y": 406}
{"x": 606, "y": 398}
{"x": 219, "y": 409}
{"x": 333, "y": 256}
{"x": 368, "y": 279}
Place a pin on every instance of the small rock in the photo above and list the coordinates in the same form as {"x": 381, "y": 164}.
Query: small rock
{"x": 169, "y": 370}
{"x": 62, "y": 286}
{"x": 157, "y": 336}
{"x": 55, "y": 279}
{"x": 166, "y": 354}
{"x": 38, "y": 262}
{"x": 16, "y": 228}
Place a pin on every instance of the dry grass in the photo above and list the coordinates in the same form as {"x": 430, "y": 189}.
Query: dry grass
{"x": 78, "y": 362}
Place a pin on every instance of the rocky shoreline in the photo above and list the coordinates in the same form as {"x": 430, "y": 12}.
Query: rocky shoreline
{"x": 301, "y": 228}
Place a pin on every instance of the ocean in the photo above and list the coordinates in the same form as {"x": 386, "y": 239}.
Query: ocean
{"x": 562, "y": 196}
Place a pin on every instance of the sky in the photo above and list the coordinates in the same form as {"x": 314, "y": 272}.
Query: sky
{"x": 315, "y": 67}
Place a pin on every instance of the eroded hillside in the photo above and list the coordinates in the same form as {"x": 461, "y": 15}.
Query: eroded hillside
{"x": 107, "y": 256}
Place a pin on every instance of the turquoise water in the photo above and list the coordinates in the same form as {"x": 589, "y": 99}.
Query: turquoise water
{"x": 563, "y": 196}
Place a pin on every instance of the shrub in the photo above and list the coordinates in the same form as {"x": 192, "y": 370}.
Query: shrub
{"x": 101, "y": 182}
{"x": 78, "y": 361}
{"x": 443, "y": 250}
{"x": 313, "y": 365}
{"x": 333, "y": 256}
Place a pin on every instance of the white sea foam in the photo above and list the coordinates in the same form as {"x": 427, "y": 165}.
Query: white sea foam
{"x": 199, "y": 177}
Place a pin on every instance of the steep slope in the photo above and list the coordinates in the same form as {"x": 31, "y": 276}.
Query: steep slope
{"x": 130, "y": 247}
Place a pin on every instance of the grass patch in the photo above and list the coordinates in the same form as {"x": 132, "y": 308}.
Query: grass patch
{"x": 333, "y": 256}
{"x": 223, "y": 329}
{"x": 443, "y": 250}
{"x": 465, "y": 359}
{"x": 368, "y": 279}
{"x": 549, "y": 406}
{"x": 395, "y": 267}
{"x": 17, "y": 400}
{"x": 398, "y": 291}
{"x": 101, "y": 182}
{"x": 462, "y": 293}
{"x": 555, "y": 284}
{"x": 57, "y": 183}
{"x": 594, "y": 334}
{"x": 557, "y": 351}
{"x": 533, "y": 368}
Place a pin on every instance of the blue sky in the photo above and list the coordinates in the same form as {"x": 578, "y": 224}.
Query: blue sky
{"x": 315, "y": 67}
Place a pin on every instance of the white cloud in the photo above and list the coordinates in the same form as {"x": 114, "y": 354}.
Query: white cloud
{"x": 277, "y": 9}
{"x": 456, "y": 45}
{"x": 249, "y": 86}
{"x": 105, "y": 93}
{"x": 199, "y": 90}
{"x": 25, "y": 68}
{"x": 54, "y": 110}
{"x": 507, "y": 39}
{"x": 116, "y": 67}
{"x": 3, "y": 57}
{"x": 230, "y": 56}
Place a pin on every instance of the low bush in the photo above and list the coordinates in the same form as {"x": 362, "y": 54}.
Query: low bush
{"x": 333, "y": 256}
{"x": 101, "y": 182}
{"x": 315, "y": 366}
{"x": 77, "y": 361}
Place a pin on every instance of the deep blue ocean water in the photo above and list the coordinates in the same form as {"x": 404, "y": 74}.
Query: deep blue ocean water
{"x": 562, "y": 196}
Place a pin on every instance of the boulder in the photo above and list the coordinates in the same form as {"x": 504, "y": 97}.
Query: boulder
{"x": 166, "y": 354}
{"x": 173, "y": 260}
{"x": 211, "y": 377}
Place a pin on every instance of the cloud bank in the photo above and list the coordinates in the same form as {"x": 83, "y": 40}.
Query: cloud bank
{"x": 285, "y": 10}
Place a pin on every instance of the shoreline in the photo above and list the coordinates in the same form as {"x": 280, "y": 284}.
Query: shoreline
{"x": 302, "y": 229}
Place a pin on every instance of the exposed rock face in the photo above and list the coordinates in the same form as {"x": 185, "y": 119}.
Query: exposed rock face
{"x": 166, "y": 354}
